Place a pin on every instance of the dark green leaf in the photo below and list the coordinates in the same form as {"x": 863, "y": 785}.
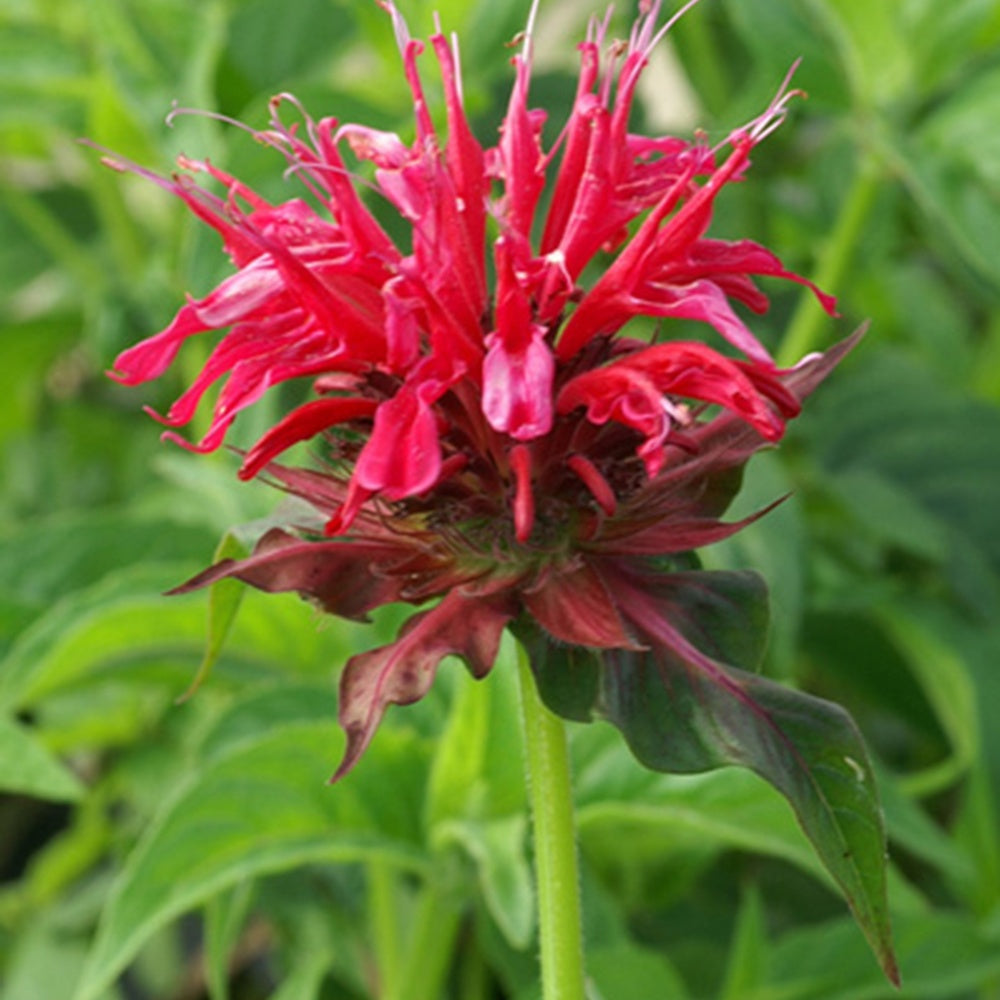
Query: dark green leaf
{"x": 677, "y": 716}
{"x": 684, "y": 705}
{"x": 893, "y": 419}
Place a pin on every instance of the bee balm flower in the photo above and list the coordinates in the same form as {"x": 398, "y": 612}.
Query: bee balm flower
{"x": 488, "y": 433}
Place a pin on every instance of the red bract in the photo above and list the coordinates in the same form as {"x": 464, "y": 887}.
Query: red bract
{"x": 500, "y": 448}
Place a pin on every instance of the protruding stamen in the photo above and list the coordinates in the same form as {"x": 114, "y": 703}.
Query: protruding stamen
{"x": 529, "y": 29}
{"x": 398, "y": 25}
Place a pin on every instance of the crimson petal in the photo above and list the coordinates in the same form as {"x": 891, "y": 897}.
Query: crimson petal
{"x": 303, "y": 423}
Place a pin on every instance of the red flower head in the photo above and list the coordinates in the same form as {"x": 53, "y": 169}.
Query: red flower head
{"x": 485, "y": 434}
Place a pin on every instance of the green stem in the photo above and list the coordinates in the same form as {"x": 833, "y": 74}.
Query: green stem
{"x": 382, "y": 905}
{"x": 432, "y": 944}
{"x": 556, "y": 874}
{"x": 804, "y": 329}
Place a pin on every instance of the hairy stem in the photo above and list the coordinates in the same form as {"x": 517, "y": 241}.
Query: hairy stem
{"x": 556, "y": 873}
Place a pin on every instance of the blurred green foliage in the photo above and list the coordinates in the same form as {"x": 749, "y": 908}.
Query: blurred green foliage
{"x": 128, "y": 810}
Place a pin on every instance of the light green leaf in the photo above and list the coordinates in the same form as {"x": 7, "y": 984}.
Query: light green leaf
{"x": 305, "y": 980}
{"x": 50, "y": 557}
{"x": 126, "y": 620}
{"x": 872, "y": 47}
{"x": 262, "y": 809}
{"x": 950, "y": 165}
{"x": 748, "y": 954}
{"x": 498, "y": 849}
{"x": 27, "y": 767}
{"x": 224, "y": 600}
{"x": 977, "y": 830}
{"x": 457, "y": 781}
{"x": 661, "y": 816}
{"x": 478, "y": 771}
{"x": 631, "y": 972}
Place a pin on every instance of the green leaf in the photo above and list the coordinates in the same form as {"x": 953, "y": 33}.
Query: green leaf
{"x": 890, "y": 514}
{"x": 264, "y": 808}
{"x": 477, "y": 771}
{"x": 778, "y": 32}
{"x": 268, "y": 707}
{"x": 224, "y": 600}
{"x": 945, "y": 681}
{"x": 631, "y": 972}
{"x": 570, "y": 678}
{"x": 893, "y": 419}
{"x": 268, "y": 45}
{"x": 950, "y": 167}
{"x": 682, "y": 707}
{"x": 498, "y": 849}
{"x": 873, "y": 48}
{"x": 456, "y": 785}
{"x": 912, "y": 829}
{"x": 664, "y": 817}
{"x": 225, "y": 914}
{"x": 124, "y": 619}
{"x": 677, "y": 716}
{"x": 978, "y": 831}
{"x": 27, "y": 767}
{"x": 43, "y": 962}
{"x": 944, "y": 955}
{"x": 774, "y": 546}
{"x": 748, "y": 954}
{"x": 51, "y": 557}
{"x": 305, "y": 980}
{"x": 947, "y": 39}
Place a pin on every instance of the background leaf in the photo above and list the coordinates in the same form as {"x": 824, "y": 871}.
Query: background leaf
{"x": 26, "y": 766}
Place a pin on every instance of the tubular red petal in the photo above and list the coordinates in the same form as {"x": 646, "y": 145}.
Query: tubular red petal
{"x": 600, "y": 310}
{"x": 521, "y": 154}
{"x": 524, "y": 499}
{"x": 575, "y": 152}
{"x": 518, "y": 369}
{"x": 465, "y": 162}
{"x": 403, "y": 456}
{"x": 591, "y": 477}
{"x": 305, "y": 422}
